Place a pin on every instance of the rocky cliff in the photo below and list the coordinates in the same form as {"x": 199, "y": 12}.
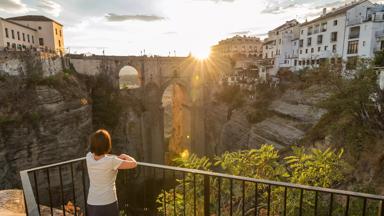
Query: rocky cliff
{"x": 293, "y": 113}
{"x": 42, "y": 121}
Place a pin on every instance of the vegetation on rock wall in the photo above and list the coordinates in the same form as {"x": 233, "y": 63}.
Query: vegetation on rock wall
{"x": 232, "y": 96}
{"x": 264, "y": 96}
{"x": 354, "y": 117}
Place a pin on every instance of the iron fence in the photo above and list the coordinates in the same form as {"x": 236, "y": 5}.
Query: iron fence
{"x": 153, "y": 189}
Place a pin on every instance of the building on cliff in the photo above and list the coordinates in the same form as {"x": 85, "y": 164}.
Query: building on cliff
{"x": 239, "y": 46}
{"x": 280, "y": 48}
{"x": 31, "y": 32}
{"x": 342, "y": 35}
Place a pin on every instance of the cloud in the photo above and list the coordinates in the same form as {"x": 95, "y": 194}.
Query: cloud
{"x": 13, "y": 6}
{"x": 240, "y": 33}
{"x": 111, "y": 17}
{"x": 283, "y": 6}
{"x": 50, "y": 7}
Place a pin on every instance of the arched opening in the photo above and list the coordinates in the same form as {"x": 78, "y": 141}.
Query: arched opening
{"x": 177, "y": 121}
{"x": 129, "y": 78}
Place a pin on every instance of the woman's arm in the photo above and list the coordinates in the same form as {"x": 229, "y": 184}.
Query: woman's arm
{"x": 128, "y": 162}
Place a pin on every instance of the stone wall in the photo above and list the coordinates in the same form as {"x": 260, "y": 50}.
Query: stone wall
{"x": 15, "y": 63}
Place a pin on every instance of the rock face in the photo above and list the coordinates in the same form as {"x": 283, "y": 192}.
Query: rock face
{"x": 294, "y": 113}
{"x": 41, "y": 124}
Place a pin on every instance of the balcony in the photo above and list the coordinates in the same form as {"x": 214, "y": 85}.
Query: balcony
{"x": 153, "y": 189}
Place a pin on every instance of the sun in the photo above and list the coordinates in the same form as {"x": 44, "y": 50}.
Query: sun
{"x": 201, "y": 53}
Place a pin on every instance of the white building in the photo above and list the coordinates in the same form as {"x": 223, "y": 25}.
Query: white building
{"x": 280, "y": 48}
{"x": 32, "y": 31}
{"x": 342, "y": 35}
{"x": 15, "y": 36}
{"x": 364, "y": 32}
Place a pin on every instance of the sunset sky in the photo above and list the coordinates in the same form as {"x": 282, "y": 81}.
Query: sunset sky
{"x": 160, "y": 27}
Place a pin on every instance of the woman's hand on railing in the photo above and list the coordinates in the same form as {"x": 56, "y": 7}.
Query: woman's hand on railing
{"x": 129, "y": 162}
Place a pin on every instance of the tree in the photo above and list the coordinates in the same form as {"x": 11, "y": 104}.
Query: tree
{"x": 232, "y": 97}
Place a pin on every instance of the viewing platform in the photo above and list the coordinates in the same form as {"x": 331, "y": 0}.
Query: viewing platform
{"x": 153, "y": 189}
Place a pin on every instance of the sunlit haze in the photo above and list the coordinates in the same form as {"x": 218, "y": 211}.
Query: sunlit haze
{"x": 162, "y": 27}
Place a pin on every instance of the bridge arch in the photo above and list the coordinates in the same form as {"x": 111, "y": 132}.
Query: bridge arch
{"x": 129, "y": 78}
{"x": 176, "y": 106}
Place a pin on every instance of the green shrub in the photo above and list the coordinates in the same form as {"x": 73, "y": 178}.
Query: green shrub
{"x": 315, "y": 167}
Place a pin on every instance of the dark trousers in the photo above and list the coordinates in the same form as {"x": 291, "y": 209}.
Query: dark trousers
{"x": 103, "y": 210}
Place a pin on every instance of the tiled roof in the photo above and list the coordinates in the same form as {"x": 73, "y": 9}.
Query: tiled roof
{"x": 335, "y": 12}
{"x": 33, "y": 18}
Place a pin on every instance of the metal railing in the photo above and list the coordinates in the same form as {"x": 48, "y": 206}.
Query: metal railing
{"x": 153, "y": 189}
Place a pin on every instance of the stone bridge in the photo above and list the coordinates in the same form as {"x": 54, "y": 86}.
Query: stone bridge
{"x": 155, "y": 75}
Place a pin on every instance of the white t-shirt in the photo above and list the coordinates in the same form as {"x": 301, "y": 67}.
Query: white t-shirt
{"x": 102, "y": 176}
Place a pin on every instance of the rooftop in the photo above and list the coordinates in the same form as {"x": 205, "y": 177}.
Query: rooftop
{"x": 335, "y": 12}
{"x": 38, "y": 18}
{"x": 15, "y": 23}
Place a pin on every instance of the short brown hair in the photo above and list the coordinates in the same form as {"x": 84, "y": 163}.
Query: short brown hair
{"x": 101, "y": 142}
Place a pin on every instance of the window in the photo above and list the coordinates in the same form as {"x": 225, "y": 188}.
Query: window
{"x": 363, "y": 43}
{"x": 23, "y": 37}
{"x": 319, "y": 39}
{"x": 59, "y": 43}
{"x": 41, "y": 41}
{"x": 309, "y": 41}
{"x": 6, "y": 33}
{"x": 382, "y": 45}
{"x": 301, "y": 51}
{"x": 323, "y": 27}
{"x": 18, "y": 35}
{"x": 335, "y": 22}
{"x": 334, "y": 48}
{"x": 56, "y": 31}
{"x": 333, "y": 36}
{"x": 353, "y": 47}
{"x": 39, "y": 27}
{"x": 301, "y": 43}
{"x": 28, "y": 38}
{"x": 312, "y": 50}
{"x": 310, "y": 30}
{"x": 8, "y": 44}
{"x": 325, "y": 48}
{"x": 295, "y": 63}
{"x": 354, "y": 32}
{"x": 306, "y": 50}
{"x": 60, "y": 33}
{"x": 13, "y": 34}
{"x": 302, "y": 31}
{"x": 33, "y": 39}
{"x": 317, "y": 27}
{"x": 318, "y": 49}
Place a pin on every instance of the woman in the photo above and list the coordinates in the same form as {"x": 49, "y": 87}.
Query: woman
{"x": 102, "y": 171}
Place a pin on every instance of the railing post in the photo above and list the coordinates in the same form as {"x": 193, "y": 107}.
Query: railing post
{"x": 206, "y": 195}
